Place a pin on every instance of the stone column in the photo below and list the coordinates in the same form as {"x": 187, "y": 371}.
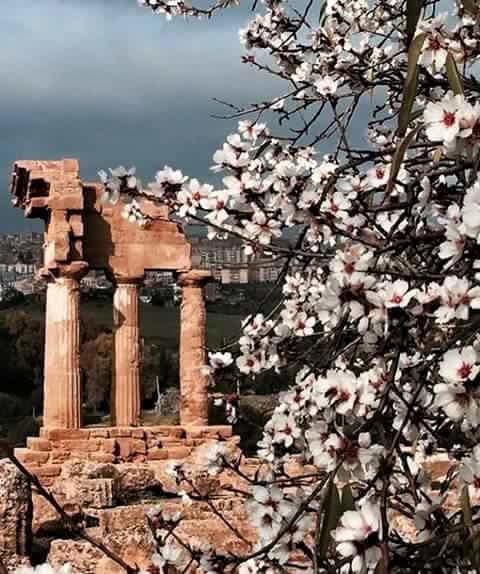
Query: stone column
{"x": 193, "y": 356}
{"x": 126, "y": 371}
{"x": 62, "y": 393}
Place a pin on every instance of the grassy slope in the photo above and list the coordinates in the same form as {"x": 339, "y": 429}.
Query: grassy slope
{"x": 157, "y": 324}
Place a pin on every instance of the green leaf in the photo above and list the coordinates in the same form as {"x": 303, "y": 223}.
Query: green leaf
{"x": 466, "y": 507}
{"x": 410, "y": 86}
{"x": 331, "y": 515}
{"x": 321, "y": 16}
{"x": 348, "y": 502}
{"x": 473, "y": 544}
{"x": 414, "y": 7}
{"x": 453, "y": 75}
{"x": 398, "y": 158}
{"x": 437, "y": 154}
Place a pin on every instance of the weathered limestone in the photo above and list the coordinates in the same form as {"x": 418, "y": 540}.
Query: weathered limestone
{"x": 193, "y": 381}
{"x": 82, "y": 233}
{"x": 126, "y": 372}
{"x": 15, "y": 513}
{"x": 81, "y": 230}
{"x": 62, "y": 347}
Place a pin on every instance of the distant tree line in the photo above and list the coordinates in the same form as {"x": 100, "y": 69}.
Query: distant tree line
{"x": 22, "y": 358}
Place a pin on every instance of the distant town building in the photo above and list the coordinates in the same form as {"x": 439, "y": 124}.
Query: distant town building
{"x": 235, "y": 274}
{"x": 229, "y": 264}
{"x": 20, "y": 258}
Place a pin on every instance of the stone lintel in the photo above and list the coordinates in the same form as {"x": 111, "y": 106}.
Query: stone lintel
{"x": 121, "y": 279}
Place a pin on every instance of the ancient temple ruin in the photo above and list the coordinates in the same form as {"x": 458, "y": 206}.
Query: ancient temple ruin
{"x": 82, "y": 233}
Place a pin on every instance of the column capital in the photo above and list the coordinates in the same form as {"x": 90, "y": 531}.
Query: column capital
{"x": 75, "y": 270}
{"x": 120, "y": 279}
{"x": 194, "y": 277}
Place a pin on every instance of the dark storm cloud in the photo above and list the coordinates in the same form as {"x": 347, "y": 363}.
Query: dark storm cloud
{"x": 111, "y": 83}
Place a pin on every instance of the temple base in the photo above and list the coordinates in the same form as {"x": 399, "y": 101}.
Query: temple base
{"x": 45, "y": 454}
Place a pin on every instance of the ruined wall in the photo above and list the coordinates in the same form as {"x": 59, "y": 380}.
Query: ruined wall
{"x": 45, "y": 455}
{"x": 15, "y": 514}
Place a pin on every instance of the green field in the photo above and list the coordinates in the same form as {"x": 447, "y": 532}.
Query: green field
{"x": 159, "y": 325}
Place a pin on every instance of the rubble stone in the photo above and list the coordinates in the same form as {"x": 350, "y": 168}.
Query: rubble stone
{"x": 15, "y": 512}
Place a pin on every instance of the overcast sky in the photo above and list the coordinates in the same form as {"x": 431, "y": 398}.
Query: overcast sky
{"x": 110, "y": 83}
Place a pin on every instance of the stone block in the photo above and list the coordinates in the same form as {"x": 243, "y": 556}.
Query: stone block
{"x": 48, "y": 471}
{"x": 178, "y": 451}
{"x": 94, "y": 493}
{"x": 153, "y": 441}
{"x": 218, "y": 431}
{"x": 138, "y": 433}
{"x": 108, "y": 445}
{"x": 139, "y": 446}
{"x": 40, "y": 444}
{"x": 134, "y": 479}
{"x": 82, "y": 556}
{"x": 64, "y": 434}
{"x": 157, "y": 454}
{"x": 172, "y": 441}
{"x": 15, "y": 512}
{"x": 81, "y": 445}
{"x": 165, "y": 430}
{"x": 76, "y": 224}
{"x": 59, "y": 455}
{"x": 27, "y": 456}
{"x": 102, "y": 457}
{"x": 124, "y": 448}
{"x": 121, "y": 432}
{"x": 100, "y": 433}
{"x": 71, "y": 201}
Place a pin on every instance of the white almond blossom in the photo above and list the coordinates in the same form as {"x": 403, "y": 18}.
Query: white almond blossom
{"x": 358, "y": 537}
{"x": 356, "y": 173}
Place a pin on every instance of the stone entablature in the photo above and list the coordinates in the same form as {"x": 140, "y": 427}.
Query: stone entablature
{"x": 80, "y": 227}
{"x": 84, "y": 233}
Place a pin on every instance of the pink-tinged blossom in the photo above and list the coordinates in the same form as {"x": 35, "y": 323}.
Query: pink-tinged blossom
{"x": 442, "y": 118}
{"x": 457, "y": 297}
{"x": 337, "y": 391}
{"x": 251, "y": 131}
{"x": 192, "y": 196}
{"x": 215, "y": 457}
{"x": 378, "y": 175}
{"x": 167, "y": 180}
{"x": 220, "y": 360}
{"x": 218, "y": 203}
{"x": 458, "y": 397}
{"x": 397, "y": 294}
{"x": 249, "y": 363}
{"x": 262, "y": 228}
{"x": 460, "y": 365}
{"x": 326, "y": 86}
{"x": 286, "y": 430}
{"x": 471, "y": 212}
{"x": 358, "y": 537}
{"x": 435, "y": 46}
{"x": 359, "y": 458}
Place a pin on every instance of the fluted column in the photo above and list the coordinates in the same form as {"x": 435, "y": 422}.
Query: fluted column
{"x": 126, "y": 372}
{"x": 62, "y": 392}
{"x": 193, "y": 357}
